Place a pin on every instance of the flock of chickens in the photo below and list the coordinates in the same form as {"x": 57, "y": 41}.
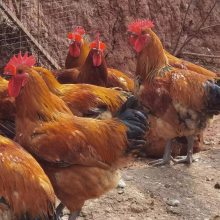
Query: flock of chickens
{"x": 76, "y": 125}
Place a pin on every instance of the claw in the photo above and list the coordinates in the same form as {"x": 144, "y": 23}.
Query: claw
{"x": 183, "y": 159}
{"x": 159, "y": 162}
{"x": 166, "y": 157}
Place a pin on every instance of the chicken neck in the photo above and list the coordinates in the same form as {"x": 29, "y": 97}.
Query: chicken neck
{"x": 151, "y": 59}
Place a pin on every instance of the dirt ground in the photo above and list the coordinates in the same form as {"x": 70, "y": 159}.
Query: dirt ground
{"x": 169, "y": 192}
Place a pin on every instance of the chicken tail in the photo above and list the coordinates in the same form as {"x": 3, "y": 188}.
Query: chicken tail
{"x": 136, "y": 122}
{"x": 213, "y": 98}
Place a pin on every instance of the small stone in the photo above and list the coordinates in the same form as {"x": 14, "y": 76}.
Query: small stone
{"x": 217, "y": 186}
{"x": 121, "y": 184}
{"x": 209, "y": 142}
{"x": 173, "y": 210}
{"x": 208, "y": 178}
{"x": 120, "y": 191}
{"x": 172, "y": 202}
{"x": 136, "y": 208}
{"x": 195, "y": 159}
{"x": 151, "y": 195}
{"x": 167, "y": 185}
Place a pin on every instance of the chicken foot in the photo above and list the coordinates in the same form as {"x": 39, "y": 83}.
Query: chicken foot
{"x": 74, "y": 215}
{"x": 188, "y": 158}
{"x": 166, "y": 156}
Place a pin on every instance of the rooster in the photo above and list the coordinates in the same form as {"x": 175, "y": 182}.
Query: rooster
{"x": 78, "y": 48}
{"x": 25, "y": 190}
{"x": 85, "y": 99}
{"x": 77, "y": 53}
{"x": 180, "y": 101}
{"x": 79, "y": 155}
{"x": 94, "y": 70}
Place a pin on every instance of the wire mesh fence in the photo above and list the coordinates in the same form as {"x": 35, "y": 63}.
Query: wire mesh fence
{"x": 38, "y": 27}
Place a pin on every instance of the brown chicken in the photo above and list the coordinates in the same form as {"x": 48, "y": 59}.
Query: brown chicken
{"x": 7, "y": 111}
{"x": 183, "y": 64}
{"x": 25, "y": 190}
{"x": 77, "y": 53}
{"x": 180, "y": 101}
{"x": 78, "y": 48}
{"x": 94, "y": 70}
{"x": 83, "y": 99}
{"x": 80, "y": 155}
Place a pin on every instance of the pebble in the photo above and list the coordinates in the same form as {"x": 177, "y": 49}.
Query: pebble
{"x": 136, "y": 208}
{"x": 173, "y": 210}
{"x": 172, "y": 202}
{"x": 120, "y": 191}
{"x": 209, "y": 142}
{"x": 167, "y": 185}
{"x": 121, "y": 184}
{"x": 217, "y": 186}
{"x": 208, "y": 179}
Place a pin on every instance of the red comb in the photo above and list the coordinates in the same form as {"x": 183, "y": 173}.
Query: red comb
{"x": 139, "y": 25}
{"x": 80, "y": 30}
{"x": 73, "y": 36}
{"x": 97, "y": 44}
{"x": 16, "y": 61}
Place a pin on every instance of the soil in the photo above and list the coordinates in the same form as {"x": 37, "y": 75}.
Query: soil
{"x": 170, "y": 192}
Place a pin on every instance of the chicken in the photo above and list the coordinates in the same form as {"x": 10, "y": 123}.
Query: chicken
{"x": 83, "y": 99}
{"x": 180, "y": 101}
{"x": 7, "y": 111}
{"x": 183, "y": 64}
{"x": 77, "y": 53}
{"x": 94, "y": 70}
{"x": 79, "y": 155}
{"x": 7, "y": 105}
{"x": 78, "y": 48}
{"x": 25, "y": 190}
{"x": 81, "y": 48}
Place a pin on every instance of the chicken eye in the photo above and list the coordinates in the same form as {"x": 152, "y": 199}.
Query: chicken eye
{"x": 19, "y": 71}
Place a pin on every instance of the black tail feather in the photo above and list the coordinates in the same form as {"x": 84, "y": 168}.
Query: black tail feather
{"x": 213, "y": 98}
{"x": 135, "y": 120}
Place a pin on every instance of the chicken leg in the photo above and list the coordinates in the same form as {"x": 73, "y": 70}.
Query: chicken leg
{"x": 166, "y": 156}
{"x": 74, "y": 215}
{"x": 188, "y": 158}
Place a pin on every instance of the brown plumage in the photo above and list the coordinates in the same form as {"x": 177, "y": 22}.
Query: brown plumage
{"x": 80, "y": 155}
{"x": 94, "y": 70}
{"x": 183, "y": 64}
{"x": 24, "y": 186}
{"x": 7, "y": 111}
{"x": 7, "y": 106}
{"x": 66, "y": 76}
{"x": 76, "y": 62}
{"x": 103, "y": 76}
{"x": 84, "y": 99}
{"x": 177, "y": 98}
